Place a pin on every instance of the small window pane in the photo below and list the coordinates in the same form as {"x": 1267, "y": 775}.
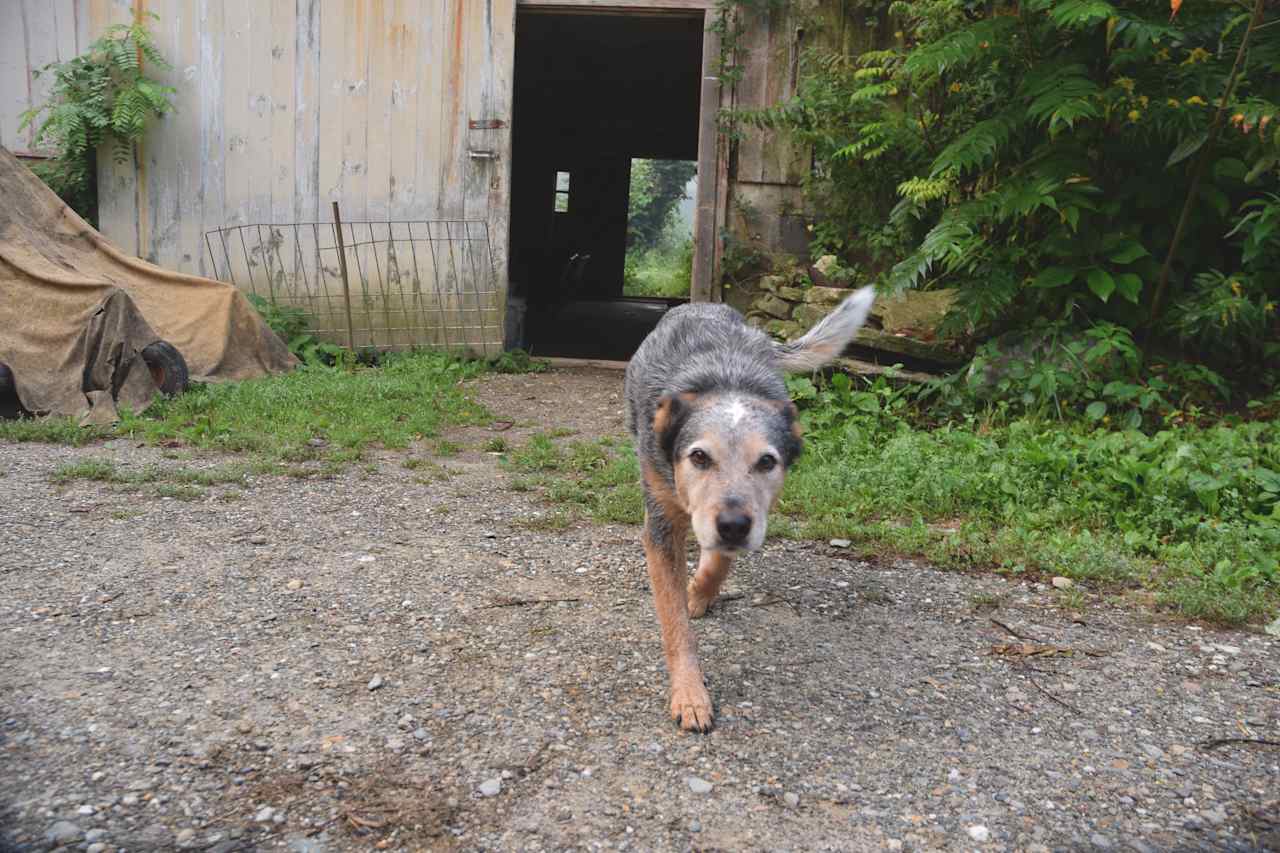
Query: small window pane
{"x": 562, "y": 182}
{"x": 562, "y": 202}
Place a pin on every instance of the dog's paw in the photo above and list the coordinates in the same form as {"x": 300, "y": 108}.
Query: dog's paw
{"x": 698, "y": 603}
{"x": 691, "y": 706}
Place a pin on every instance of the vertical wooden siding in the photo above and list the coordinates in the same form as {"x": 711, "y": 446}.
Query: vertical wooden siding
{"x": 284, "y": 106}
{"x": 33, "y": 33}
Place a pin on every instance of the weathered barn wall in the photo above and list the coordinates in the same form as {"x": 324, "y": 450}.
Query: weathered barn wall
{"x": 284, "y": 106}
{"x": 33, "y": 33}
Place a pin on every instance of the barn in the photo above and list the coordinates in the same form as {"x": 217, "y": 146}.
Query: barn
{"x": 476, "y": 152}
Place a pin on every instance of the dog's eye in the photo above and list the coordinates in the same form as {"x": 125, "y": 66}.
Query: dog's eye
{"x": 699, "y": 458}
{"x": 767, "y": 463}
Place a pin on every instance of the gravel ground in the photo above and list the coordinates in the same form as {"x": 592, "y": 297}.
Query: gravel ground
{"x": 325, "y": 665}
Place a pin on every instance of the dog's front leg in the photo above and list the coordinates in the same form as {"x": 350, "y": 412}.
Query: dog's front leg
{"x": 713, "y": 568}
{"x": 664, "y": 551}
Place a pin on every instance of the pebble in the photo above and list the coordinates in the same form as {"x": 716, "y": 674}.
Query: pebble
{"x": 264, "y": 815}
{"x": 792, "y": 799}
{"x": 86, "y": 810}
{"x": 96, "y": 847}
{"x": 129, "y": 800}
{"x": 1100, "y": 841}
{"x": 491, "y": 787}
{"x": 980, "y": 833}
{"x": 186, "y": 835}
{"x": 95, "y": 835}
{"x": 376, "y": 682}
{"x": 695, "y": 825}
{"x": 698, "y": 786}
{"x": 1153, "y": 751}
{"x": 1060, "y": 582}
{"x": 294, "y": 583}
{"x": 63, "y": 832}
{"x": 841, "y": 543}
{"x": 244, "y": 727}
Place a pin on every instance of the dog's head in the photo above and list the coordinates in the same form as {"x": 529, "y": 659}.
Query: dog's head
{"x": 729, "y": 453}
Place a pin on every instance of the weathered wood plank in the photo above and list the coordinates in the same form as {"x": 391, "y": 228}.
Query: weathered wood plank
{"x": 430, "y": 104}
{"x": 306, "y": 116}
{"x": 15, "y": 80}
{"x": 187, "y": 251}
{"x": 41, "y": 49}
{"x": 623, "y": 5}
{"x": 161, "y": 148}
{"x": 284, "y": 26}
{"x": 453, "y": 116}
{"x": 118, "y": 215}
{"x": 333, "y": 22}
{"x": 402, "y": 33}
{"x": 704, "y": 222}
{"x": 212, "y": 171}
{"x": 381, "y": 94}
{"x": 355, "y": 112}
{"x": 749, "y": 92}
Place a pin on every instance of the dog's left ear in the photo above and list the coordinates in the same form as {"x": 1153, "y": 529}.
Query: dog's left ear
{"x": 673, "y": 410}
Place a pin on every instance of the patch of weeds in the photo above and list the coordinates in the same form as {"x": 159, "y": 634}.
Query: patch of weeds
{"x": 562, "y": 432}
{"x": 544, "y": 631}
{"x": 230, "y": 497}
{"x": 497, "y": 444}
{"x": 444, "y": 447}
{"x": 316, "y": 411}
{"x": 371, "y": 468}
{"x": 51, "y": 430}
{"x": 1190, "y": 514}
{"x": 413, "y": 463}
{"x": 124, "y": 514}
{"x": 96, "y": 470}
{"x": 539, "y": 454}
{"x": 986, "y": 601}
{"x": 522, "y": 484}
{"x": 552, "y": 522}
{"x": 179, "y": 492}
{"x": 517, "y": 361}
{"x": 1071, "y": 599}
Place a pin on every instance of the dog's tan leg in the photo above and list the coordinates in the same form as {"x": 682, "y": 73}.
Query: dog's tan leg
{"x": 664, "y": 551}
{"x": 713, "y": 568}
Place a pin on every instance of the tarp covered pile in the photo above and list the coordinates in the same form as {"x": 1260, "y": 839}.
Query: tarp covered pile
{"x": 76, "y": 313}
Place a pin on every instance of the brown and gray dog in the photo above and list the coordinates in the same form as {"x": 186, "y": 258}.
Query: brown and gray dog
{"x": 715, "y": 433}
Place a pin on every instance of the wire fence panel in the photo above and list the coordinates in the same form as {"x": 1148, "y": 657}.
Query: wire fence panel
{"x": 420, "y": 283}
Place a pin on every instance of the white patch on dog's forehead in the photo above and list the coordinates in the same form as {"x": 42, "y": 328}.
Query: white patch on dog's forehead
{"x": 737, "y": 411}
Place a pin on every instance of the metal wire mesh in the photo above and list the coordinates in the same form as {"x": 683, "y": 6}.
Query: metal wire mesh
{"x": 412, "y": 283}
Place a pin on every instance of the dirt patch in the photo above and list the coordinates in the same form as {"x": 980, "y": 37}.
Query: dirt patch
{"x": 387, "y": 660}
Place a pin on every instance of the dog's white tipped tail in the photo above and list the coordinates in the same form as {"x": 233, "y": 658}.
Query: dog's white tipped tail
{"x": 828, "y": 339}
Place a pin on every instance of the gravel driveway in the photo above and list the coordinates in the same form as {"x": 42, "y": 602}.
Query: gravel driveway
{"x": 394, "y": 661}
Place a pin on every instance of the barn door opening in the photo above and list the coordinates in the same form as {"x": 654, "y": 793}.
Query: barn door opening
{"x": 597, "y": 97}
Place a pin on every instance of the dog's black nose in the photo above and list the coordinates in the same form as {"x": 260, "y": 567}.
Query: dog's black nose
{"x": 733, "y": 527}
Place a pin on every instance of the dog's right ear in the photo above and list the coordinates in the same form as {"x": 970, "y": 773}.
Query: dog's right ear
{"x": 673, "y": 410}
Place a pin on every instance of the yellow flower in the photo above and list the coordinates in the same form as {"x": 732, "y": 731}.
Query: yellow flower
{"x": 1125, "y": 83}
{"x": 1134, "y": 115}
{"x": 1174, "y": 102}
{"x": 1271, "y": 306}
{"x": 956, "y": 87}
{"x": 1144, "y": 100}
{"x": 1198, "y": 54}
{"x": 1197, "y": 100}
{"x": 1162, "y": 55}
{"x": 1235, "y": 288}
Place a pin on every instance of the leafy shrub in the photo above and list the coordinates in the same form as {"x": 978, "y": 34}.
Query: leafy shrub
{"x": 1035, "y": 157}
{"x": 102, "y": 97}
{"x": 290, "y": 323}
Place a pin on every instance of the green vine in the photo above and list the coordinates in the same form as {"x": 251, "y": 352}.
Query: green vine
{"x": 102, "y": 97}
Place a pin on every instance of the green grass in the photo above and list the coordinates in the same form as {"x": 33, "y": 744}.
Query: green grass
{"x": 313, "y": 413}
{"x": 186, "y": 484}
{"x": 1190, "y": 514}
{"x": 599, "y": 480}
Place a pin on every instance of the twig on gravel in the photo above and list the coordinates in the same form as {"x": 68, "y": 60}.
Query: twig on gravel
{"x": 1064, "y": 704}
{"x": 729, "y": 596}
{"x": 1015, "y": 633}
{"x": 522, "y": 602}
{"x": 1223, "y": 741}
{"x": 769, "y": 602}
{"x": 110, "y": 598}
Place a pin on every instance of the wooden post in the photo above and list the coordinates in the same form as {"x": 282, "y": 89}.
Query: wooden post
{"x": 346, "y": 286}
{"x": 702, "y": 287}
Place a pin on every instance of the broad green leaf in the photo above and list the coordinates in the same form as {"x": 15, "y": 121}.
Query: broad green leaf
{"x": 1096, "y": 410}
{"x": 1186, "y": 148}
{"x": 1129, "y": 253}
{"x": 1101, "y": 283}
{"x": 1130, "y": 285}
{"x": 1054, "y": 277}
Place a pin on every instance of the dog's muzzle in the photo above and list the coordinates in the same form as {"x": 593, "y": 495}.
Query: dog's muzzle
{"x": 733, "y": 527}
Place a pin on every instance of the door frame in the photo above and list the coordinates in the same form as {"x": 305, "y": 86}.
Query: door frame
{"x": 710, "y": 204}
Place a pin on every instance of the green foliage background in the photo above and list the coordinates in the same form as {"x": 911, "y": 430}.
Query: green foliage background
{"x": 1034, "y": 156}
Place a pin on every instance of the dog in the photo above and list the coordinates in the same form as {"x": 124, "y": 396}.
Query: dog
{"x": 715, "y": 432}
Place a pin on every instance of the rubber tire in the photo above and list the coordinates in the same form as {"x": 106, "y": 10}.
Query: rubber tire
{"x": 168, "y": 367}
{"x": 10, "y": 407}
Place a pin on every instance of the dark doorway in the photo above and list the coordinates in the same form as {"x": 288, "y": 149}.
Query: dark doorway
{"x": 592, "y": 93}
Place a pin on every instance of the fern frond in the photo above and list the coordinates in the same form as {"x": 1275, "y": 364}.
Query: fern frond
{"x": 975, "y": 147}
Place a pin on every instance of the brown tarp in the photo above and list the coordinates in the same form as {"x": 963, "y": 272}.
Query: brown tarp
{"x": 76, "y": 312}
